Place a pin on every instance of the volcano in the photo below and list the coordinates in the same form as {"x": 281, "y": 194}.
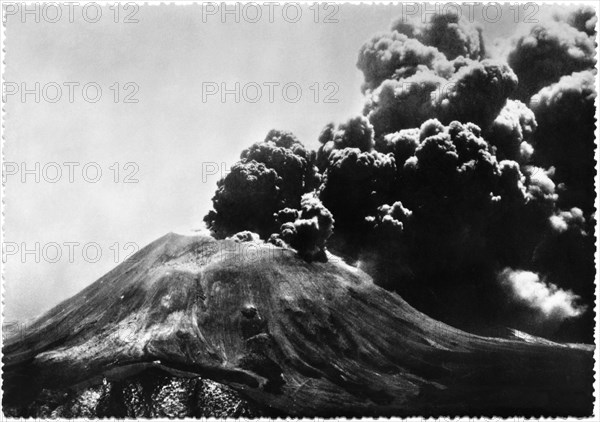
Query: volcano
{"x": 293, "y": 337}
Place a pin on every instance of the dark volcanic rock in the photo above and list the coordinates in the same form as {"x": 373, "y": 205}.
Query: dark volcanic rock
{"x": 150, "y": 394}
{"x": 287, "y": 336}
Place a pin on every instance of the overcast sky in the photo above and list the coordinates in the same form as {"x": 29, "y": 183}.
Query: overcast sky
{"x": 170, "y": 54}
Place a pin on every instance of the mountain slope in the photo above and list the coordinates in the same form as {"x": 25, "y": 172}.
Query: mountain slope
{"x": 304, "y": 338}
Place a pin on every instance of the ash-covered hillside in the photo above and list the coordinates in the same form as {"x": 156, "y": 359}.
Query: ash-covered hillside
{"x": 290, "y": 337}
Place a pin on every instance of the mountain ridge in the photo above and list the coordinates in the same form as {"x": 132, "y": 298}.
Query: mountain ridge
{"x": 305, "y": 338}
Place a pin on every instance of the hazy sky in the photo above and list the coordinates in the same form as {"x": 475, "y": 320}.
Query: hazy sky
{"x": 170, "y": 54}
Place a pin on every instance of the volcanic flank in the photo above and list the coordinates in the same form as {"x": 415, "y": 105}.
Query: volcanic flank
{"x": 289, "y": 336}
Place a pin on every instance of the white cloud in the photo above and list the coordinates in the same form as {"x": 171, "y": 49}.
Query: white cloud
{"x": 550, "y": 301}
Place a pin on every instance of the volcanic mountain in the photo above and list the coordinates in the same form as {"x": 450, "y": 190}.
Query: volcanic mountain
{"x": 298, "y": 338}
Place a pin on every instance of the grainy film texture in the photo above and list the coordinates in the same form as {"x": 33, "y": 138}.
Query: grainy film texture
{"x": 299, "y": 209}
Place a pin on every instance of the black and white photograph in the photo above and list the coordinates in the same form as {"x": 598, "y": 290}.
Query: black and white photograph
{"x": 273, "y": 209}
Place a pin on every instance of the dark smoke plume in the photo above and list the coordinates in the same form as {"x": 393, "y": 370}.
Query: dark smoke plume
{"x": 309, "y": 231}
{"x": 246, "y": 199}
{"x": 548, "y": 52}
{"x": 355, "y": 183}
{"x": 396, "y": 56}
{"x": 272, "y": 175}
{"x": 565, "y": 112}
{"x": 450, "y": 33}
{"x": 466, "y": 185}
{"x": 475, "y": 93}
{"x": 357, "y": 132}
{"x": 512, "y": 131}
{"x": 583, "y": 19}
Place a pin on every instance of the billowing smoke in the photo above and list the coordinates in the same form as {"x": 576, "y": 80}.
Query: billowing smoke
{"x": 475, "y": 92}
{"x": 466, "y": 185}
{"x": 566, "y": 220}
{"x": 546, "y": 299}
{"x": 436, "y": 69}
{"x": 511, "y": 132}
{"x": 271, "y": 175}
{"x": 245, "y": 236}
{"x": 396, "y": 56}
{"x": 355, "y": 183}
{"x": 450, "y": 33}
{"x": 565, "y": 112}
{"x": 541, "y": 187}
{"x": 357, "y": 132}
{"x": 308, "y": 231}
{"x": 565, "y": 257}
{"x": 246, "y": 199}
{"x": 403, "y": 104}
{"x": 538, "y": 305}
{"x": 390, "y": 219}
{"x": 549, "y": 51}
{"x": 583, "y": 19}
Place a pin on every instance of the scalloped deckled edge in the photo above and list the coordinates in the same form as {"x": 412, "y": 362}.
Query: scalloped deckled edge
{"x": 2, "y": 203}
{"x": 596, "y": 385}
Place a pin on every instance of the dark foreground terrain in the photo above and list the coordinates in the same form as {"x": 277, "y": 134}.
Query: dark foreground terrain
{"x": 191, "y": 326}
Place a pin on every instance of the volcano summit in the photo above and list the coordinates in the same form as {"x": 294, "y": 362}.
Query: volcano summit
{"x": 290, "y": 337}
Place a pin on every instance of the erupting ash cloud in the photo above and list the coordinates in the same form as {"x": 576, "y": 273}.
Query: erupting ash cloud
{"x": 511, "y": 132}
{"x": 308, "y": 231}
{"x": 460, "y": 165}
{"x": 565, "y": 112}
{"x": 549, "y": 51}
{"x": 450, "y": 33}
{"x": 271, "y": 175}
